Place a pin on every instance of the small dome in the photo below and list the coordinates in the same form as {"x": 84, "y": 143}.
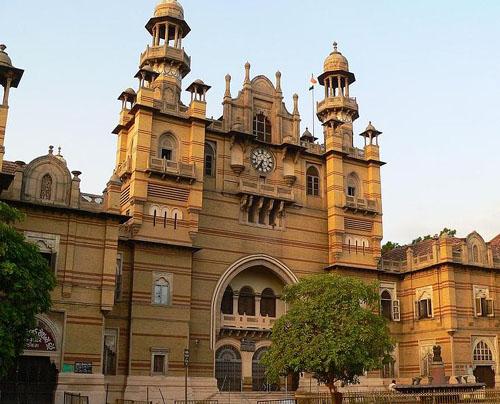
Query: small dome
{"x": 130, "y": 91}
{"x": 4, "y": 57}
{"x": 198, "y": 81}
{"x": 336, "y": 61}
{"x": 170, "y": 8}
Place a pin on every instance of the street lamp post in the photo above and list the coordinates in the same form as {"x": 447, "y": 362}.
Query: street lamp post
{"x": 186, "y": 365}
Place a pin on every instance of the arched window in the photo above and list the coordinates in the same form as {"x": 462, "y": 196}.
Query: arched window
{"x": 475, "y": 253}
{"x": 209, "y": 160}
{"x": 353, "y": 186}
{"x": 268, "y": 303}
{"x": 167, "y": 147}
{"x": 227, "y": 301}
{"x": 162, "y": 291}
{"x": 312, "y": 181}
{"x": 262, "y": 128}
{"x": 386, "y": 304}
{"x": 246, "y": 301}
{"x": 482, "y": 352}
{"x": 46, "y": 188}
{"x": 228, "y": 368}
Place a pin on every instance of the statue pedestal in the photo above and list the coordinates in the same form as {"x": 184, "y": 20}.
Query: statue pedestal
{"x": 437, "y": 373}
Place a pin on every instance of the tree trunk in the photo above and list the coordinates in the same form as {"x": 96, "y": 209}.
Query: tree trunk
{"x": 336, "y": 395}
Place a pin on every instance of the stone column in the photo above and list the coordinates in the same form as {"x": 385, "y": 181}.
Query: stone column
{"x": 257, "y": 304}
{"x": 347, "y": 87}
{"x": 339, "y": 84}
{"x": 235, "y": 303}
{"x": 6, "y": 92}
{"x": 176, "y": 37}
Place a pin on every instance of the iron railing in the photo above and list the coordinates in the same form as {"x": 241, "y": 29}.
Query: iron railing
{"x": 196, "y": 402}
{"x": 452, "y": 397}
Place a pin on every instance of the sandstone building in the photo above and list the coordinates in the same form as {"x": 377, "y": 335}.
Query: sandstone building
{"x": 204, "y": 221}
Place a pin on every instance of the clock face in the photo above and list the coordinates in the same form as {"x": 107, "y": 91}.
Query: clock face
{"x": 262, "y": 160}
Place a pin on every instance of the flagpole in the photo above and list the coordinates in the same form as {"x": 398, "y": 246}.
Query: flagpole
{"x": 313, "y": 108}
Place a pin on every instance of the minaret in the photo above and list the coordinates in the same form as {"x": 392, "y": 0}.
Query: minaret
{"x": 166, "y": 54}
{"x": 9, "y": 78}
{"x": 352, "y": 174}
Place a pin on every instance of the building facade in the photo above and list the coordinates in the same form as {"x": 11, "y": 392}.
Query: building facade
{"x": 205, "y": 221}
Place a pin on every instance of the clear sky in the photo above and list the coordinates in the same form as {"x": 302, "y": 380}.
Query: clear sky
{"x": 427, "y": 76}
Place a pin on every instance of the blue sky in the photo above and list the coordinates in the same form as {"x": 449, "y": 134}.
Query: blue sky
{"x": 427, "y": 76}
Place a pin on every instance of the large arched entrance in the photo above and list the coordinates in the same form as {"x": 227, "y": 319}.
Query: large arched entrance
{"x": 246, "y": 304}
{"x": 228, "y": 368}
{"x": 484, "y": 362}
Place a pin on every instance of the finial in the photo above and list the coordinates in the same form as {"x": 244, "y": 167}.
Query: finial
{"x": 247, "y": 73}
{"x": 295, "y": 103}
{"x": 59, "y": 151}
{"x": 51, "y": 149}
{"x": 2, "y": 47}
{"x": 278, "y": 81}
{"x": 335, "y": 46}
{"x": 228, "y": 86}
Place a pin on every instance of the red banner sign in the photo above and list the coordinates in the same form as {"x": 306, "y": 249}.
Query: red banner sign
{"x": 41, "y": 339}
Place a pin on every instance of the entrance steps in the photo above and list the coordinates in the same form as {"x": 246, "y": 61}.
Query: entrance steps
{"x": 250, "y": 397}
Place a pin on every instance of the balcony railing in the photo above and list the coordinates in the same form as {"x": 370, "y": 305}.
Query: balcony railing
{"x": 124, "y": 168}
{"x": 165, "y": 167}
{"x": 247, "y": 322}
{"x": 368, "y": 205}
{"x": 165, "y": 51}
{"x": 337, "y": 102}
{"x": 354, "y": 152}
{"x": 313, "y": 147}
{"x": 266, "y": 190}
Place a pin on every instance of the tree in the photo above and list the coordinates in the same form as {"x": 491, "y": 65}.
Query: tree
{"x": 389, "y": 246}
{"x": 25, "y": 285}
{"x": 447, "y": 231}
{"x": 332, "y": 329}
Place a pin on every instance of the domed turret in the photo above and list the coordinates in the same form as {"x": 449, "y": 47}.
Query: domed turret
{"x": 336, "y": 61}
{"x": 4, "y": 57}
{"x": 169, "y": 8}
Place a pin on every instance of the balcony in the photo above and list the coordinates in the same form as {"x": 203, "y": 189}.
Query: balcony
{"x": 354, "y": 152}
{"x": 337, "y": 102}
{"x": 359, "y": 204}
{"x": 176, "y": 169}
{"x": 266, "y": 190}
{"x": 236, "y": 325}
{"x": 158, "y": 53}
{"x": 124, "y": 169}
{"x": 313, "y": 147}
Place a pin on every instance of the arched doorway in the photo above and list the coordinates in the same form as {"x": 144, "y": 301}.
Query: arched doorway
{"x": 483, "y": 359}
{"x": 259, "y": 379}
{"x": 33, "y": 379}
{"x": 228, "y": 368}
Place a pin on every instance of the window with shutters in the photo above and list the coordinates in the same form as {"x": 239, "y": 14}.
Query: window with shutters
{"x": 109, "y": 356}
{"x": 389, "y": 305}
{"x": 423, "y": 304}
{"x": 312, "y": 175}
{"x": 162, "y": 289}
{"x": 262, "y": 128}
{"x": 209, "y": 160}
{"x": 483, "y": 304}
{"x": 167, "y": 147}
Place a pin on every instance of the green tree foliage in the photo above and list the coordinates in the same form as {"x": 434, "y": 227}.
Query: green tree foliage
{"x": 389, "y": 246}
{"x": 447, "y": 231}
{"x": 332, "y": 329}
{"x": 25, "y": 285}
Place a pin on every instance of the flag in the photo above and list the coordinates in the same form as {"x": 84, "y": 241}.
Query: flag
{"x": 313, "y": 82}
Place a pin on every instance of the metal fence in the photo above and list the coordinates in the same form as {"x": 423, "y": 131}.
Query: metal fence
{"x": 74, "y": 398}
{"x": 452, "y": 397}
{"x": 196, "y": 402}
{"x": 120, "y": 401}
